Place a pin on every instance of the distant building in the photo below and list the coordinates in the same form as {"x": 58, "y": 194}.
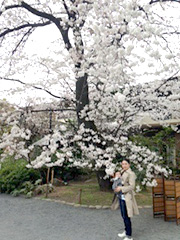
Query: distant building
{"x": 174, "y": 154}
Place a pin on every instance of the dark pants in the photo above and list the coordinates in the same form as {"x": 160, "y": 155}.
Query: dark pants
{"x": 127, "y": 220}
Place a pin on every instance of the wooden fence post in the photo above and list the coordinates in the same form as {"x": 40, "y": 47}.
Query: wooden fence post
{"x": 80, "y": 194}
{"x": 52, "y": 176}
{"x": 47, "y": 182}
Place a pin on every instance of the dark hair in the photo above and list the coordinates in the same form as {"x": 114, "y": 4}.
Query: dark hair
{"x": 127, "y": 160}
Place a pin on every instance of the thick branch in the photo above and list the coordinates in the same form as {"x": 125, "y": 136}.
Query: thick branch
{"x": 56, "y": 21}
{"x": 50, "y": 17}
{"x": 66, "y": 8}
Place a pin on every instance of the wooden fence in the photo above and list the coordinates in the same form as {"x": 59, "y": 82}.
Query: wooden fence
{"x": 166, "y": 198}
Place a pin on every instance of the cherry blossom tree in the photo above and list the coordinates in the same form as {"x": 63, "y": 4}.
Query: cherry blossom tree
{"x": 116, "y": 60}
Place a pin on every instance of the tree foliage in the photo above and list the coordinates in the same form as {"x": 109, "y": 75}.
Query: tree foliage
{"x": 161, "y": 141}
{"x": 105, "y": 52}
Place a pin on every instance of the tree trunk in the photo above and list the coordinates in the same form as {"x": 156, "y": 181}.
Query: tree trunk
{"x": 104, "y": 184}
{"x": 82, "y": 100}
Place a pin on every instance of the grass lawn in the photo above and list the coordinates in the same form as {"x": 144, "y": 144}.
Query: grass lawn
{"x": 91, "y": 195}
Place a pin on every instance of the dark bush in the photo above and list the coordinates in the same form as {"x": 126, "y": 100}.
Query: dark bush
{"x": 13, "y": 174}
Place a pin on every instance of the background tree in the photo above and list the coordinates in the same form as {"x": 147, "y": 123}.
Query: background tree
{"x": 109, "y": 47}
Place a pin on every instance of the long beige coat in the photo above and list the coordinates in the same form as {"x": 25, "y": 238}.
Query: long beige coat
{"x": 128, "y": 180}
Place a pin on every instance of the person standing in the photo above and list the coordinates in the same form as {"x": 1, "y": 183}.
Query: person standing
{"x": 127, "y": 202}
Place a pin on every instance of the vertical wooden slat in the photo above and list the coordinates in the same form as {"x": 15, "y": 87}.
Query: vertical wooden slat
{"x": 158, "y": 198}
{"x": 166, "y": 198}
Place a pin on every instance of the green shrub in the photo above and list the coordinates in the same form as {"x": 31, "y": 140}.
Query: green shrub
{"x": 13, "y": 174}
{"x": 27, "y": 188}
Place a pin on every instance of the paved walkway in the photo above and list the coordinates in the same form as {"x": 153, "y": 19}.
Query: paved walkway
{"x": 34, "y": 219}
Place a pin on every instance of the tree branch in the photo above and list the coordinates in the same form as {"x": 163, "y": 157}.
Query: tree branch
{"x": 66, "y": 8}
{"x": 56, "y": 21}
{"x": 172, "y": 78}
{"x": 50, "y": 17}
{"x": 155, "y": 1}
{"x": 28, "y": 25}
{"x": 10, "y": 7}
{"x": 35, "y": 87}
{"x": 23, "y": 39}
{"x": 54, "y": 110}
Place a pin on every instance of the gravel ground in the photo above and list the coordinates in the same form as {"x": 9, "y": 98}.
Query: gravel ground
{"x": 34, "y": 219}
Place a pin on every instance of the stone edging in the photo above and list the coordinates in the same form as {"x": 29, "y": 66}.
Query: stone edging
{"x": 83, "y": 205}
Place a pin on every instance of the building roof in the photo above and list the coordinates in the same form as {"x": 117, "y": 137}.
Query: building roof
{"x": 148, "y": 122}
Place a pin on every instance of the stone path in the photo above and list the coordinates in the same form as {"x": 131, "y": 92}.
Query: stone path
{"x": 34, "y": 219}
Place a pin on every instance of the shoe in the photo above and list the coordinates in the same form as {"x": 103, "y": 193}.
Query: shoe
{"x": 122, "y": 235}
{"x": 128, "y": 238}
